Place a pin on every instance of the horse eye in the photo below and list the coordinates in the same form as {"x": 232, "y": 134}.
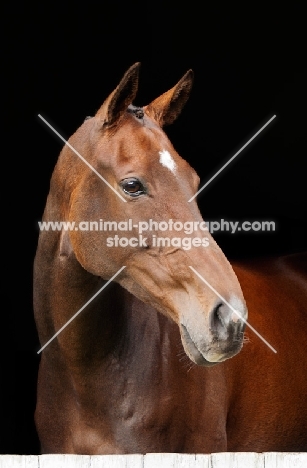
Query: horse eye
{"x": 133, "y": 187}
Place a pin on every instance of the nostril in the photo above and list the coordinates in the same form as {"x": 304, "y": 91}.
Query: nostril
{"x": 225, "y": 317}
{"x": 217, "y": 317}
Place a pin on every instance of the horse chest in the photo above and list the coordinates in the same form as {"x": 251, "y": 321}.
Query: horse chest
{"x": 156, "y": 408}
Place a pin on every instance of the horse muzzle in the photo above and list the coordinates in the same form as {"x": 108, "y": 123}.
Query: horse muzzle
{"x": 220, "y": 340}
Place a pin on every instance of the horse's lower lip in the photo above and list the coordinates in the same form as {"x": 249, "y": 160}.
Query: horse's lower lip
{"x": 197, "y": 356}
{"x": 192, "y": 350}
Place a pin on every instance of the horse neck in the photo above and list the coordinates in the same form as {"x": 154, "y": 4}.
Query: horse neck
{"x": 113, "y": 324}
{"x": 62, "y": 286}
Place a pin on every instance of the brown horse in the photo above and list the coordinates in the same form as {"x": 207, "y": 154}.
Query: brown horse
{"x": 145, "y": 366}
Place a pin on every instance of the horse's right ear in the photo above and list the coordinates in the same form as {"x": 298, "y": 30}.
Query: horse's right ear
{"x": 167, "y": 107}
{"x": 116, "y": 104}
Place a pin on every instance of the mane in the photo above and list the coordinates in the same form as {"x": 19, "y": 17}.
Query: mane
{"x": 138, "y": 112}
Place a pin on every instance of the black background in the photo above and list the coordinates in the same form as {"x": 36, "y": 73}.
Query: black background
{"x": 62, "y": 62}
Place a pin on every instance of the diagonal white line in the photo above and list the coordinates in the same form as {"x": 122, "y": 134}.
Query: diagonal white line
{"x": 81, "y": 157}
{"x": 234, "y": 310}
{"x": 80, "y": 310}
{"x": 231, "y": 159}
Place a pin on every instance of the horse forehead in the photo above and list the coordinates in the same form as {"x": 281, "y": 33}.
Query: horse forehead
{"x": 147, "y": 139}
{"x": 167, "y": 160}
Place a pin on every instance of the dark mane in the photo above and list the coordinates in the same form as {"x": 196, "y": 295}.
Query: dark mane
{"x": 137, "y": 111}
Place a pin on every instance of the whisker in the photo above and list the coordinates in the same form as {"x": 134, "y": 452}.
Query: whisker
{"x": 191, "y": 366}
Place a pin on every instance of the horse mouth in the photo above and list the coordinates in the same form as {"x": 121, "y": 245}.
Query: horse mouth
{"x": 216, "y": 354}
{"x": 191, "y": 349}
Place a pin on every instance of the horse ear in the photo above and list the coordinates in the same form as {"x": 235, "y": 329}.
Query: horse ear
{"x": 116, "y": 104}
{"x": 167, "y": 107}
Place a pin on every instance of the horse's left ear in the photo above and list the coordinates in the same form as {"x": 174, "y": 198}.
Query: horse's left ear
{"x": 116, "y": 104}
{"x": 167, "y": 107}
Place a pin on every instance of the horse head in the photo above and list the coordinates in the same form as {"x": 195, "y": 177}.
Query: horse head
{"x": 128, "y": 147}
